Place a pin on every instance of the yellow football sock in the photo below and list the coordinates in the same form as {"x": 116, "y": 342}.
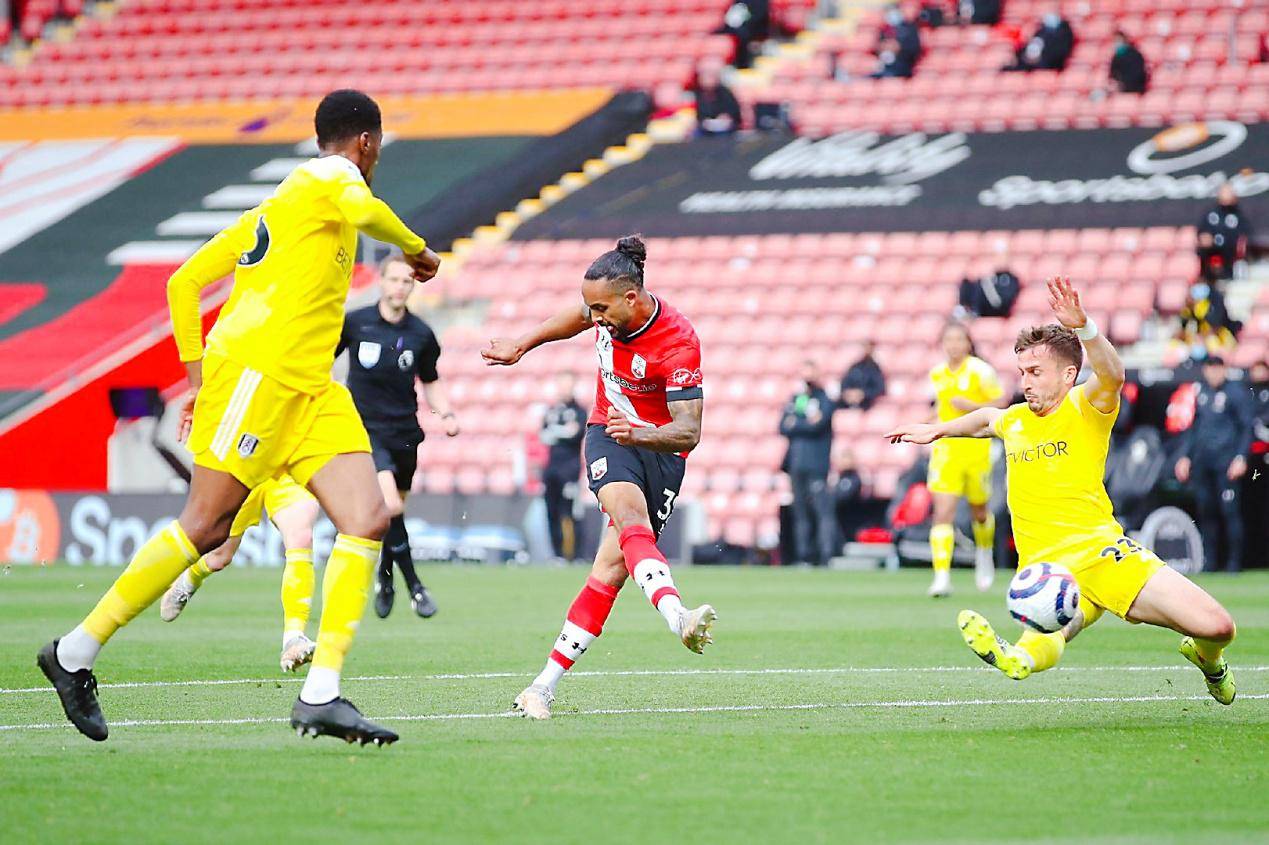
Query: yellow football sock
{"x": 942, "y": 541}
{"x": 153, "y": 569}
{"x": 1045, "y": 649}
{"x": 985, "y": 532}
{"x": 1210, "y": 651}
{"x": 297, "y": 590}
{"x": 198, "y": 572}
{"x": 345, "y": 587}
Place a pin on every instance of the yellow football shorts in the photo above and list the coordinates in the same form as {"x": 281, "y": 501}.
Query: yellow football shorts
{"x": 1112, "y": 572}
{"x": 957, "y": 474}
{"x": 255, "y": 428}
{"x": 273, "y": 496}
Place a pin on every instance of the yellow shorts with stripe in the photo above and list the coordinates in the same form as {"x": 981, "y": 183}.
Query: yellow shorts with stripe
{"x": 956, "y": 475}
{"x": 255, "y": 428}
{"x": 1111, "y": 571}
{"x": 274, "y": 495}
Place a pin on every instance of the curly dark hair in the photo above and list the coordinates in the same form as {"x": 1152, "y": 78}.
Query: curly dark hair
{"x": 1061, "y": 341}
{"x": 624, "y": 263}
{"x": 345, "y": 114}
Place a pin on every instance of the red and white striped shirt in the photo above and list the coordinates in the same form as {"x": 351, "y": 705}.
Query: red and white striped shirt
{"x": 642, "y": 374}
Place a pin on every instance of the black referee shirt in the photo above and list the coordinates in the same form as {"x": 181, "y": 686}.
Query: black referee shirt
{"x": 383, "y": 360}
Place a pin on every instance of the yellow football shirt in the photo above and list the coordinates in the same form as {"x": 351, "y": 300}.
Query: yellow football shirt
{"x": 974, "y": 380}
{"x": 1055, "y": 467}
{"x": 292, "y": 259}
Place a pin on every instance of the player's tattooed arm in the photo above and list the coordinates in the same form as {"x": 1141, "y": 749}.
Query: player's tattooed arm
{"x": 568, "y": 322}
{"x": 681, "y": 434}
{"x": 1103, "y": 386}
{"x": 980, "y": 423}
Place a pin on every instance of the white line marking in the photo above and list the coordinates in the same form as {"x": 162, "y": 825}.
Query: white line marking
{"x": 832, "y": 670}
{"x": 724, "y": 708}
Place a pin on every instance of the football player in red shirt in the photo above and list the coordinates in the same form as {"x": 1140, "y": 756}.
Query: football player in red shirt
{"x": 647, "y": 417}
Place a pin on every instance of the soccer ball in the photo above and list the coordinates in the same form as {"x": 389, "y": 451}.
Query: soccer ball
{"x": 1044, "y": 597}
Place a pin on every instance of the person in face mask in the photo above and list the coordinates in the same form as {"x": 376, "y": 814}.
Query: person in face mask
{"x": 898, "y": 47}
{"x": 1048, "y": 49}
{"x": 1205, "y": 324}
{"x": 1128, "y": 66}
{"x": 1223, "y": 232}
{"x": 807, "y": 422}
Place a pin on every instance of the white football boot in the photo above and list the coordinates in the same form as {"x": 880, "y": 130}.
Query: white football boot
{"x": 941, "y": 586}
{"x": 534, "y": 703}
{"x": 694, "y": 627}
{"x": 297, "y": 651}
{"x": 176, "y": 597}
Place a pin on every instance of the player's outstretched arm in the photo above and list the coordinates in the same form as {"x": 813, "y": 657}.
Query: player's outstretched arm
{"x": 1103, "y": 386}
{"x": 980, "y": 423}
{"x": 569, "y": 322}
{"x": 681, "y": 434}
{"x": 373, "y": 216}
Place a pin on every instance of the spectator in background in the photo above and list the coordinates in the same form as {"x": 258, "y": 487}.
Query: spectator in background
{"x": 563, "y": 427}
{"x": 1128, "y": 66}
{"x": 864, "y": 382}
{"x": 1205, "y": 324}
{"x": 1223, "y": 233}
{"x": 993, "y": 295}
{"x": 717, "y": 111}
{"x": 980, "y": 11}
{"x": 847, "y": 493}
{"x": 1049, "y": 48}
{"x": 1214, "y": 459}
{"x": 807, "y": 422}
{"x": 747, "y": 21}
{"x": 898, "y": 46}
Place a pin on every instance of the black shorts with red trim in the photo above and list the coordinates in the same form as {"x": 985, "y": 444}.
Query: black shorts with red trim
{"x": 658, "y": 474}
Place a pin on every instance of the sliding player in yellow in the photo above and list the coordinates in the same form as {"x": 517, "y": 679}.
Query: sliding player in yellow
{"x": 262, "y": 403}
{"x": 1055, "y": 446}
{"x": 293, "y": 510}
{"x": 961, "y": 468}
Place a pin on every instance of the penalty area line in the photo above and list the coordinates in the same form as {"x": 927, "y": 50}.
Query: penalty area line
{"x": 901, "y": 704}
{"x": 628, "y": 673}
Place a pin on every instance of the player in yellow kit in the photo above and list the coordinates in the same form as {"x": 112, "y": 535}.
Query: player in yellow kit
{"x": 961, "y": 468}
{"x": 293, "y": 510}
{"x": 1055, "y": 447}
{"x": 262, "y": 403}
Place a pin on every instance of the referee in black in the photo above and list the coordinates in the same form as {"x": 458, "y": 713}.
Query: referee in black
{"x": 388, "y": 348}
{"x": 563, "y": 427}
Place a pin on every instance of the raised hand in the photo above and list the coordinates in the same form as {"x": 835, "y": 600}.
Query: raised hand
{"x": 1065, "y": 302}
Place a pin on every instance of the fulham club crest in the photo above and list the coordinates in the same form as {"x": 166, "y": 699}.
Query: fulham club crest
{"x": 638, "y": 366}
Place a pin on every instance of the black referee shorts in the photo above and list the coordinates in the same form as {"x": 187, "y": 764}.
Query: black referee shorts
{"x": 396, "y": 459}
{"x": 658, "y": 474}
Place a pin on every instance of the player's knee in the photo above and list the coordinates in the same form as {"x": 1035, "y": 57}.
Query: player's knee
{"x": 204, "y": 532}
{"x": 298, "y": 538}
{"x": 1218, "y": 626}
{"x": 372, "y": 524}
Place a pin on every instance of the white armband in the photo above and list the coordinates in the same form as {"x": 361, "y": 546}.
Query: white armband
{"x": 1088, "y": 331}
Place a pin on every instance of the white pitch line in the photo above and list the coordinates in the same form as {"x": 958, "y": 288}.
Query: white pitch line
{"x": 722, "y": 708}
{"x": 615, "y": 673}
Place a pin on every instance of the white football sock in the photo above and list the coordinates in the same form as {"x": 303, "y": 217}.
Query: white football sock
{"x": 550, "y": 676}
{"x": 77, "y": 650}
{"x": 321, "y": 686}
{"x": 671, "y": 607}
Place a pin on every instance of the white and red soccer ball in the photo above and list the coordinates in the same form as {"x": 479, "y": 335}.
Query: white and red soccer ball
{"x": 1044, "y": 597}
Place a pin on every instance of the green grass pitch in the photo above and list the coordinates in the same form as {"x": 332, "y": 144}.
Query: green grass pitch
{"x": 834, "y": 707}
